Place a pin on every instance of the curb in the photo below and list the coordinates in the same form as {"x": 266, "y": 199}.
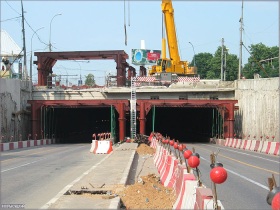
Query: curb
{"x": 116, "y": 202}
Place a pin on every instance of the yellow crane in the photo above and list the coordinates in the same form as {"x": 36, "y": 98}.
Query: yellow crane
{"x": 172, "y": 65}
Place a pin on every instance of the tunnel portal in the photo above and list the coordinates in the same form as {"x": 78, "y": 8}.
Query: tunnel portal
{"x": 77, "y": 125}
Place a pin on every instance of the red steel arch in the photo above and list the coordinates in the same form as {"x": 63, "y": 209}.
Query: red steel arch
{"x": 226, "y": 107}
{"x": 46, "y": 60}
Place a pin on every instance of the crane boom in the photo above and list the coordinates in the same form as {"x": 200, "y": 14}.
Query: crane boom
{"x": 168, "y": 12}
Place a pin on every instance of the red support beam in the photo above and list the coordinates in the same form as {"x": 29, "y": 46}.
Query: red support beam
{"x": 142, "y": 118}
{"x": 122, "y": 119}
{"x": 229, "y": 121}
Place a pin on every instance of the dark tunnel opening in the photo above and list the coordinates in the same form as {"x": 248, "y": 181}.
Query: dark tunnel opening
{"x": 183, "y": 124}
{"x": 76, "y": 125}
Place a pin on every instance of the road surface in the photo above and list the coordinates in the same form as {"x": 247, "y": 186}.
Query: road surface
{"x": 35, "y": 175}
{"x": 246, "y": 186}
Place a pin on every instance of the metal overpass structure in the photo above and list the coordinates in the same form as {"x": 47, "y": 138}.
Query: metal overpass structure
{"x": 199, "y": 106}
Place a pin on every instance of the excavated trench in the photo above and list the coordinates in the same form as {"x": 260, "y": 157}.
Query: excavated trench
{"x": 76, "y": 125}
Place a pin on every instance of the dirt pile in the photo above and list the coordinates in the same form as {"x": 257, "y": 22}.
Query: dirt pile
{"x": 144, "y": 149}
{"x": 148, "y": 193}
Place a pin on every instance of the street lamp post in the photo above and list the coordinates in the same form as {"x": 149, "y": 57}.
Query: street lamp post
{"x": 193, "y": 54}
{"x": 50, "y": 44}
{"x": 35, "y": 32}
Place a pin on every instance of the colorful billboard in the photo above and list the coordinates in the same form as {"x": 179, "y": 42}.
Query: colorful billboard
{"x": 145, "y": 57}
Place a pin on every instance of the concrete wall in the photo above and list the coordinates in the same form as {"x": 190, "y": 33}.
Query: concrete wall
{"x": 14, "y": 110}
{"x": 258, "y": 114}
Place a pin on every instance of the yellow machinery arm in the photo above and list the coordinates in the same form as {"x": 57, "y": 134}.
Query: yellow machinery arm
{"x": 168, "y": 12}
{"x": 172, "y": 65}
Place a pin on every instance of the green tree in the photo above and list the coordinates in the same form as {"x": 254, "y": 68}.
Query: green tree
{"x": 209, "y": 66}
{"x": 202, "y": 61}
{"x": 215, "y": 66}
{"x": 232, "y": 63}
{"x": 263, "y": 61}
{"x": 90, "y": 81}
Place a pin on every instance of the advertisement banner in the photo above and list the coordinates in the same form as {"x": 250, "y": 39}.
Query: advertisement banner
{"x": 145, "y": 57}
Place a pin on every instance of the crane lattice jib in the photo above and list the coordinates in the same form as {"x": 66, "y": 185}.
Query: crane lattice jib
{"x": 168, "y": 12}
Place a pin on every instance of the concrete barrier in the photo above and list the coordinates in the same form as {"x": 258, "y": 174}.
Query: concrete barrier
{"x": 248, "y": 144}
{"x": 228, "y": 142}
{"x": 252, "y": 145}
{"x": 204, "y": 199}
{"x": 273, "y": 148}
{"x": 238, "y": 143}
{"x": 23, "y": 144}
{"x": 158, "y": 154}
{"x": 184, "y": 186}
{"x": 174, "y": 174}
{"x": 259, "y": 149}
{"x": 267, "y": 147}
{"x": 171, "y": 165}
{"x": 163, "y": 162}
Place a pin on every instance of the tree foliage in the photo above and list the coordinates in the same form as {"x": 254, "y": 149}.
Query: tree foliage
{"x": 90, "y": 81}
{"x": 263, "y": 61}
{"x": 209, "y": 66}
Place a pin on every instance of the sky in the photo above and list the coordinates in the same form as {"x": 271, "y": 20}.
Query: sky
{"x": 99, "y": 25}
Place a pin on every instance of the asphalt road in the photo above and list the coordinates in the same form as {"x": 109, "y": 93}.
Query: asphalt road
{"x": 246, "y": 186}
{"x": 33, "y": 176}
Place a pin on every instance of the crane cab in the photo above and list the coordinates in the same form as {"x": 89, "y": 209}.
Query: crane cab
{"x": 162, "y": 66}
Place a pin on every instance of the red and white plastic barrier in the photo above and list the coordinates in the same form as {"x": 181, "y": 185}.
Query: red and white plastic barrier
{"x": 23, "y": 144}
{"x": 94, "y": 146}
{"x": 101, "y": 147}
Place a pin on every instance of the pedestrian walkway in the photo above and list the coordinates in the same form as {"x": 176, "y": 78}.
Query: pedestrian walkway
{"x": 111, "y": 174}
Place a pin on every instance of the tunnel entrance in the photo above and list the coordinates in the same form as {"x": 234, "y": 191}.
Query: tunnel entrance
{"x": 76, "y": 125}
{"x": 186, "y": 121}
{"x": 184, "y": 124}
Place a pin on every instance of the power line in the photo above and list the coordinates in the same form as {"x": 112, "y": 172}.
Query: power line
{"x": 10, "y": 19}
{"x": 35, "y": 32}
{"x": 12, "y": 7}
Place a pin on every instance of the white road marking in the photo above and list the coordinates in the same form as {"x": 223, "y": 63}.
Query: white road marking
{"x": 243, "y": 153}
{"x": 23, "y": 165}
{"x": 66, "y": 188}
{"x": 243, "y": 177}
{"x": 35, "y": 161}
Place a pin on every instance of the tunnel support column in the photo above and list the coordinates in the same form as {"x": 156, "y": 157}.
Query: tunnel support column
{"x": 35, "y": 120}
{"x": 229, "y": 121}
{"x": 122, "y": 119}
{"x": 142, "y": 119}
